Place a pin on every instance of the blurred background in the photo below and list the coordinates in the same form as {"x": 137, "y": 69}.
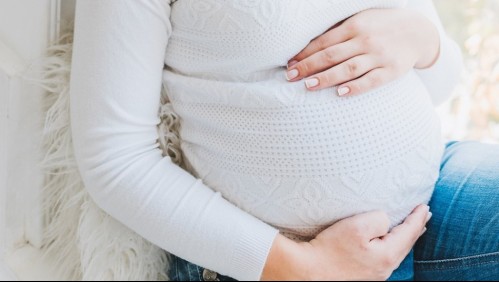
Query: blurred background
{"x": 473, "y": 114}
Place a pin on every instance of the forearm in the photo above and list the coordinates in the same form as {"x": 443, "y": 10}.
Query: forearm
{"x": 115, "y": 92}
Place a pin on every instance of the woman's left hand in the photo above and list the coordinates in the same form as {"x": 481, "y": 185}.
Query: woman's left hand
{"x": 366, "y": 51}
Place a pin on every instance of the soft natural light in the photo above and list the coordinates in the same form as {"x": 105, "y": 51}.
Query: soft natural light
{"x": 474, "y": 112}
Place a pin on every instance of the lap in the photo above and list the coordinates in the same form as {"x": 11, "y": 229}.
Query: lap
{"x": 182, "y": 270}
{"x": 462, "y": 241}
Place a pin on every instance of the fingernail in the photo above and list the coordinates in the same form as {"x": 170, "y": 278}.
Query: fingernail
{"x": 292, "y": 63}
{"x": 292, "y": 74}
{"x": 312, "y": 82}
{"x": 422, "y": 232}
{"x": 428, "y": 217}
{"x": 342, "y": 91}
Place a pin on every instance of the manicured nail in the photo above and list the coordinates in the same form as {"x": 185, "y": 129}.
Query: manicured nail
{"x": 422, "y": 232}
{"x": 292, "y": 74}
{"x": 343, "y": 91}
{"x": 292, "y": 63}
{"x": 428, "y": 217}
{"x": 312, "y": 82}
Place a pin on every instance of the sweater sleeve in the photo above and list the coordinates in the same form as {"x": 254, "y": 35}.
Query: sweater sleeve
{"x": 441, "y": 78}
{"x": 116, "y": 78}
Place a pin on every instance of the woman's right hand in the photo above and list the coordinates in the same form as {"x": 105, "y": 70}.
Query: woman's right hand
{"x": 356, "y": 248}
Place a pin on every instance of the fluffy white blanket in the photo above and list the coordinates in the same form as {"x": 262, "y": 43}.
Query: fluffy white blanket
{"x": 85, "y": 242}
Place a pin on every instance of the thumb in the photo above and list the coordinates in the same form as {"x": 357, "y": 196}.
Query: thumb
{"x": 403, "y": 237}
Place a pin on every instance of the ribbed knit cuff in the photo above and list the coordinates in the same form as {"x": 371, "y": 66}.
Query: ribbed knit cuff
{"x": 251, "y": 250}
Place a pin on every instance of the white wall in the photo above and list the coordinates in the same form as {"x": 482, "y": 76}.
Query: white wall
{"x": 24, "y": 26}
{"x": 4, "y": 272}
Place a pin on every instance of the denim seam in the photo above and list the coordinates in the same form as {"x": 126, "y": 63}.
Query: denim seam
{"x": 457, "y": 260}
{"x": 176, "y": 269}
{"x": 457, "y": 266}
{"x": 199, "y": 272}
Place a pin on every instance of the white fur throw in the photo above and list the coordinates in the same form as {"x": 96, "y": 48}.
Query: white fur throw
{"x": 85, "y": 242}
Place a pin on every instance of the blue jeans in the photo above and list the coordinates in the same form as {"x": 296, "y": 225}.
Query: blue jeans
{"x": 462, "y": 240}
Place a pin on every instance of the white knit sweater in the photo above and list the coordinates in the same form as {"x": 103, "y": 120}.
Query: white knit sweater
{"x": 282, "y": 158}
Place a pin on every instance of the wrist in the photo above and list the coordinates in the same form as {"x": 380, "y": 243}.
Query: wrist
{"x": 429, "y": 44}
{"x": 285, "y": 260}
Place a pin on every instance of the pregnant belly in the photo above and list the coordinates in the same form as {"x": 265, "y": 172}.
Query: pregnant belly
{"x": 301, "y": 160}
{"x": 302, "y": 206}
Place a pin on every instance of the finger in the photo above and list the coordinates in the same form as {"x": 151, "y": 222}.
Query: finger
{"x": 369, "y": 81}
{"x": 342, "y": 73}
{"x": 324, "y": 59}
{"x": 368, "y": 225}
{"x": 402, "y": 238}
{"x": 330, "y": 38}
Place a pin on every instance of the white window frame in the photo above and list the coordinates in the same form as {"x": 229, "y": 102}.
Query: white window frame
{"x": 22, "y": 42}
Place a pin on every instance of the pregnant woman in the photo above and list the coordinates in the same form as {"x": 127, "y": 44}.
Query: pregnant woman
{"x": 291, "y": 181}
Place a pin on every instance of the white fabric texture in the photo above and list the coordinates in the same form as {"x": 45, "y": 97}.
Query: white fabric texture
{"x": 281, "y": 157}
{"x": 80, "y": 240}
